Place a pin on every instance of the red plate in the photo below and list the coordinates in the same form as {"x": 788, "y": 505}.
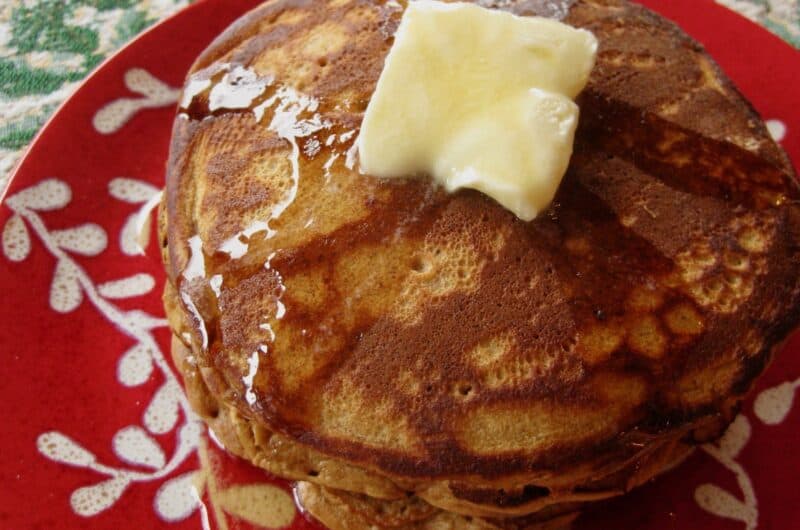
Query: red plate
{"x": 97, "y": 433}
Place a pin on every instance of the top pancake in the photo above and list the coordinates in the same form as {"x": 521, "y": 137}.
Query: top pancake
{"x": 434, "y": 335}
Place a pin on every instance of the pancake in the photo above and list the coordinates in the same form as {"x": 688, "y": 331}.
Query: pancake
{"x": 340, "y": 510}
{"x": 385, "y": 337}
{"x": 284, "y": 457}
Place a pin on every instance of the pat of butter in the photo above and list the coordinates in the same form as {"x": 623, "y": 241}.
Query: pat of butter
{"x": 481, "y": 99}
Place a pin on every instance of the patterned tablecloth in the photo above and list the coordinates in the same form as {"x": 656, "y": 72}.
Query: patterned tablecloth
{"x": 48, "y": 46}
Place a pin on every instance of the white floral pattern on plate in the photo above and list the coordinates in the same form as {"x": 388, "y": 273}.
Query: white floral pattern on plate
{"x": 155, "y": 93}
{"x": 134, "y": 445}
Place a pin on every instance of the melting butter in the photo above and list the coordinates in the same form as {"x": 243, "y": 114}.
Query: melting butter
{"x": 481, "y": 99}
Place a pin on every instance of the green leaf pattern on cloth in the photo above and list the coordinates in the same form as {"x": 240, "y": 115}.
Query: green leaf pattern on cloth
{"x": 781, "y": 17}
{"x": 48, "y": 46}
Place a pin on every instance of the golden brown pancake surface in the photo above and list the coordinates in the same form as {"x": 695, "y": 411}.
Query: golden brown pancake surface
{"x": 435, "y": 339}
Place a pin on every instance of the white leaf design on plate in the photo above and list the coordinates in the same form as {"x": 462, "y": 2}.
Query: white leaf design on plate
{"x": 774, "y": 404}
{"x": 133, "y": 445}
{"x": 50, "y": 194}
{"x": 162, "y": 413}
{"x": 135, "y": 285}
{"x": 63, "y": 449}
{"x": 65, "y": 291}
{"x": 176, "y": 499}
{"x": 135, "y": 366}
{"x": 91, "y": 500}
{"x": 135, "y": 235}
{"x": 190, "y": 432}
{"x": 262, "y": 505}
{"x": 141, "y": 81}
{"x": 131, "y": 190}
{"x": 719, "y": 502}
{"x": 113, "y": 116}
{"x": 16, "y": 241}
{"x": 736, "y": 437}
{"x": 88, "y": 239}
{"x": 129, "y": 236}
{"x": 140, "y": 319}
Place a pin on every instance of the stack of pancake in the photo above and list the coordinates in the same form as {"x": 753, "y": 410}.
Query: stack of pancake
{"x": 419, "y": 359}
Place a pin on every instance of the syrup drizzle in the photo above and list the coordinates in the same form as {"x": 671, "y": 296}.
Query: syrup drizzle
{"x": 292, "y": 116}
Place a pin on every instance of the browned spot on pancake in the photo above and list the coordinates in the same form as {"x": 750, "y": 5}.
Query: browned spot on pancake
{"x": 577, "y": 245}
{"x": 645, "y": 298}
{"x": 645, "y": 337}
{"x": 500, "y": 498}
{"x": 752, "y": 241}
{"x": 684, "y": 319}
{"x": 736, "y": 261}
{"x": 599, "y": 341}
{"x": 491, "y": 351}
